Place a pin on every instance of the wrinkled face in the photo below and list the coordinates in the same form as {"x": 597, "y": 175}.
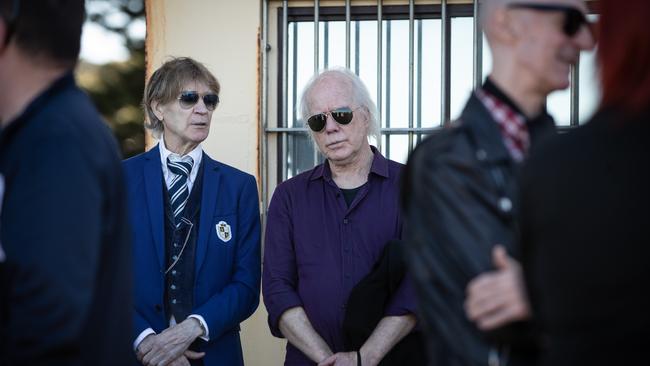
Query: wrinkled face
{"x": 185, "y": 127}
{"x": 339, "y": 143}
{"x": 543, "y": 49}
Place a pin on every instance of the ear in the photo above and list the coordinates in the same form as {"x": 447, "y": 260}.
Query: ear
{"x": 158, "y": 110}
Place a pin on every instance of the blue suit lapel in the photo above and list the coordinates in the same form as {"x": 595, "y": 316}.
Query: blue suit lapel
{"x": 153, "y": 185}
{"x": 211, "y": 177}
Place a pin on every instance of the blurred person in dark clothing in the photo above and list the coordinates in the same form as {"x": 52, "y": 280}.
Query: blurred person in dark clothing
{"x": 461, "y": 187}
{"x": 65, "y": 254}
{"x": 585, "y": 201}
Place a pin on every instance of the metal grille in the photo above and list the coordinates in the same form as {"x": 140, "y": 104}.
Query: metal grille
{"x": 414, "y": 56}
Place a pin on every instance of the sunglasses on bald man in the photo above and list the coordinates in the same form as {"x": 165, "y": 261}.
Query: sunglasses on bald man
{"x": 574, "y": 19}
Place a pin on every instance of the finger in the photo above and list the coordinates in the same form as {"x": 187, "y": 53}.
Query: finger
{"x": 193, "y": 355}
{"x": 500, "y": 258}
{"x": 181, "y": 361}
{"x": 146, "y": 360}
{"x": 497, "y": 319}
{"x": 485, "y": 287}
{"x": 161, "y": 358}
{"x": 478, "y": 310}
{"x": 328, "y": 361}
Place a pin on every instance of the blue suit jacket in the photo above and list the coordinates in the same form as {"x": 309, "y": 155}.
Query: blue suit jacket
{"x": 227, "y": 273}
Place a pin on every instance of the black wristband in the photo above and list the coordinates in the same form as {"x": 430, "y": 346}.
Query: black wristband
{"x": 358, "y": 358}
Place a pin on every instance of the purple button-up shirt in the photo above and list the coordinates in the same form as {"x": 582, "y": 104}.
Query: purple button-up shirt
{"x": 317, "y": 248}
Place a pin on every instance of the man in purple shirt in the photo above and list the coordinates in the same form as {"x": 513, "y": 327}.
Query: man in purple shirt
{"x": 328, "y": 226}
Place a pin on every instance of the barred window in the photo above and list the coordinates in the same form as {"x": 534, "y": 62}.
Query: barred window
{"x": 424, "y": 63}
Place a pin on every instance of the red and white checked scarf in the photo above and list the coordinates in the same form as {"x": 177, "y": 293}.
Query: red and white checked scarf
{"x": 512, "y": 125}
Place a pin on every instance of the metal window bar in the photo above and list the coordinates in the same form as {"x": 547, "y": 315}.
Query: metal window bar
{"x": 478, "y": 47}
{"x": 388, "y": 82}
{"x": 380, "y": 47}
{"x": 347, "y": 33}
{"x": 357, "y": 27}
{"x": 419, "y": 79}
{"x": 443, "y": 11}
{"x": 411, "y": 50}
{"x": 575, "y": 94}
{"x": 445, "y": 90}
{"x": 285, "y": 74}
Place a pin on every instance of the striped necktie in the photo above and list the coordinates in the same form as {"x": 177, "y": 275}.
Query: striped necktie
{"x": 178, "y": 191}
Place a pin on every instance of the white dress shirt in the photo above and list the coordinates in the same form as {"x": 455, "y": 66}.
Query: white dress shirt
{"x": 196, "y": 154}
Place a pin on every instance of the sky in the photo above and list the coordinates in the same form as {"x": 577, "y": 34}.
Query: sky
{"x": 100, "y": 46}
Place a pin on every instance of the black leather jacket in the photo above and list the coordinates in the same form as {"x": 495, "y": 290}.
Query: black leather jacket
{"x": 460, "y": 199}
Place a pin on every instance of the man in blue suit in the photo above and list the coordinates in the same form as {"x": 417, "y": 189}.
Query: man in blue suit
{"x": 196, "y": 229}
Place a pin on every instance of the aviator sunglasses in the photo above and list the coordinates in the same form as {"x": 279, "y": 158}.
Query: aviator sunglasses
{"x": 574, "y": 19}
{"x": 341, "y": 115}
{"x": 188, "y": 99}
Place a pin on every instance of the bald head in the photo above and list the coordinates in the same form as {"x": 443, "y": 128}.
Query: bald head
{"x": 533, "y": 44}
{"x": 491, "y": 11}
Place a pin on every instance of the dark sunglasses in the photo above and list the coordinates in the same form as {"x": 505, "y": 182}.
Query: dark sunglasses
{"x": 341, "y": 115}
{"x": 11, "y": 20}
{"x": 188, "y": 99}
{"x": 574, "y": 19}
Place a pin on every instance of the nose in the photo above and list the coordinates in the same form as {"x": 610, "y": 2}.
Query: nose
{"x": 585, "y": 38}
{"x": 330, "y": 124}
{"x": 200, "y": 107}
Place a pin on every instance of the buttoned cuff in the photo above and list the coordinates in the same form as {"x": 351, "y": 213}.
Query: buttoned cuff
{"x": 204, "y": 325}
{"x": 141, "y": 337}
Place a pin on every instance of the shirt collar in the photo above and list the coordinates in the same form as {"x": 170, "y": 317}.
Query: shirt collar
{"x": 379, "y": 167}
{"x": 491, "y": 88}
{"x": 196, "y": 154}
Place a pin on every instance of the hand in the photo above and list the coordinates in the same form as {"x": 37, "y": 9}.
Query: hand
{"x": 498, "y": 297}
{"x": 171, "y": 344}
{"x": 340, "y": 359}
{"x": 144, "y": 347}
{"x": 183, "y": 360}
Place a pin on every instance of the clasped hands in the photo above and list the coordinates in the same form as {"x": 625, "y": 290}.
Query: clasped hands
{"x": 171, "y": 346}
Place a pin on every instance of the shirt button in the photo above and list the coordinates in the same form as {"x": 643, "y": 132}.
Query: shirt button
{"x": 175, "y": 245}
{"x": 345, "y": 220}
{"x": 174, "y": 301}
{"x": 505, "y": 204}
{"x": 174, "y": 257}
{"x": 481, "y": 155}
{"x": 173, "y": 287}
{"x": 174, "y": 272}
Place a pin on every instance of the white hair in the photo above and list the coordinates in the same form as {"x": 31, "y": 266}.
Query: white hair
{"x": 360, "y": 97}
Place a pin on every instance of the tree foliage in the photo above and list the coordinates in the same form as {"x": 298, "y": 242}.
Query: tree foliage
{"x": 117, "y": 87}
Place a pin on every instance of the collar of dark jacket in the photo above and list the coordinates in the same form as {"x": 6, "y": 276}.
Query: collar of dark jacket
{"x": 486, "y": 135}
{"x": 36, "y": 105}
{"x": 483, "y": 131}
